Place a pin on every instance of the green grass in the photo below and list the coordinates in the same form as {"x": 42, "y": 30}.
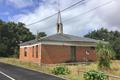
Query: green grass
{"x": 76, "y": 70}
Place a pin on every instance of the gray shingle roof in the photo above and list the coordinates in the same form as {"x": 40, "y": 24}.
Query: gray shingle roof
{"x": 67, "y": 37}
{"x": 61, "y": 38}
{"x": 29, "y": 42}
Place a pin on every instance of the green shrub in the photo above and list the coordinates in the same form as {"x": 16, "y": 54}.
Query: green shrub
{"x": 95, "y": 75}
{"x": 61, "y": 70}
{"x": 104, "y": 55}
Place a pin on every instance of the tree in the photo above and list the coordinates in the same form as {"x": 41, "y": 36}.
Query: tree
{"x": 41, "y": 34}
{"x": 10, "y": 36}
{"x": 101, "y": 34}
{"x": 113, "y": 37}
{"x": 23, "y": 33}
{"x": 104, "y": 54}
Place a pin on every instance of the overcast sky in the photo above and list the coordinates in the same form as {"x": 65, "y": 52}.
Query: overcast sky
{"x": 75, "y": 19}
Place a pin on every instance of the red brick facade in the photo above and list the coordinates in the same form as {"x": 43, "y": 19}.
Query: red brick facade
{"x": 55, "y": 54}
{"x": 82, "y": 56}
{"x": 51, "y": 54}
{"x": 30, "y": 56}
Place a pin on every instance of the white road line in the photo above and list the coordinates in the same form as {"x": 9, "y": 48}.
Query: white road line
{"x": 7, "y": 75}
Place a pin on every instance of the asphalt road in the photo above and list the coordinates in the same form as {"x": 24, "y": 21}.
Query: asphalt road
{"x": 3, "y": 77}
{"x": 10, "y": 72}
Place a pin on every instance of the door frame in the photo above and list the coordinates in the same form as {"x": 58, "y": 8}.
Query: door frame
{"x": 73, "y": 53}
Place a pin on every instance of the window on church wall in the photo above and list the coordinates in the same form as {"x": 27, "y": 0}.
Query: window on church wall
{"x": 33, "y": 51}
{"x": 25, "y": 51}
{"x": 36, "y": 51}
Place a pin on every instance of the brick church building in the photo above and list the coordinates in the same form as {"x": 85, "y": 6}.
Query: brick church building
{"x": 58, "y": 48}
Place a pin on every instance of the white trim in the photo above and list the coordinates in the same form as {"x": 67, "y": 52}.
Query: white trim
{"x": 63, "y": 43}
{"x": 30, "y": 45}
{"x": 70, "y": 43}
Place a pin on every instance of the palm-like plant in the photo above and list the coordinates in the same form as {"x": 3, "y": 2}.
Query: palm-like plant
{"x": 104, "y": 54}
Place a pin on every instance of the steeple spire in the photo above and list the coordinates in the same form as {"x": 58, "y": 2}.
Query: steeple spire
{"x": 59, "y": 24}
{"x": 59, "y": 21}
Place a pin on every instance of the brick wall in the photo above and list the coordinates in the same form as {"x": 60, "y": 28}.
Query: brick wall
{"x": 56, "y": 54}
{"x": 82, "y": 56}
{"x": 60, "y": 54}
{"x": 30, "y": 56}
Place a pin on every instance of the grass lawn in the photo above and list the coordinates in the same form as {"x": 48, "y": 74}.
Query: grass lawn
{"x": 76, "y": 70}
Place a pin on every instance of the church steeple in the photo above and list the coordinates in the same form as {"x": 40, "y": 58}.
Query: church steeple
{"x": 59, "y": 23}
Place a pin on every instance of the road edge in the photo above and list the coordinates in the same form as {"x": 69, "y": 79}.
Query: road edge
{"x": 36, "y": 70}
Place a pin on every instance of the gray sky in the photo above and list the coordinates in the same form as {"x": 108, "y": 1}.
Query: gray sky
{"x": 74, "y": 23}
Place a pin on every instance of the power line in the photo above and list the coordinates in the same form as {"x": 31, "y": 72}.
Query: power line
{"x": 84, "y": 13}
{"x": 90, "y": 10}
{"x": 71, "y": 7}
{"x": 55, "y": 13}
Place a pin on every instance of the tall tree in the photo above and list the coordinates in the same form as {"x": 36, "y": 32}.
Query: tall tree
{"x": 113, "y": 37}
{"x": 10, "y": 36}
{"x": 101, "y": 34}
